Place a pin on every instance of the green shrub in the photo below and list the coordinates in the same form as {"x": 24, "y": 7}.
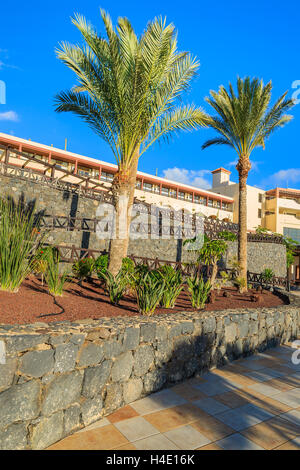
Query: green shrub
{"x": 267, "y": 275}
{"x": 227, "y": 235}
{"x": 101, "y": 266}
{"x": 115, "y": 285}
{"x": 240, "y": 283}
{"x": 39, "y": 266}
{"x": 173, "y": 285}
{"x": 128, "y": 266}
{"x": 198, "y": 290}
{"x": 149, "y": 291}
{"x": 55, "y": 281}
{"x": 19, "y": 243}
{"x": 83, "y": 268}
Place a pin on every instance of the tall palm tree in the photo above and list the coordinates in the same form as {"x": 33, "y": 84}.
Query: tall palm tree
{"x": 244, "y": 121}
{"x": 127, "y": 93}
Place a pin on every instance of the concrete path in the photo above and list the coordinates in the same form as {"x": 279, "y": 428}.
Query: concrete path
{"x": 253, "y": 403}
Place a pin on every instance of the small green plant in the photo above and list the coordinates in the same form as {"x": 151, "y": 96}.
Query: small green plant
{"x": 101, "y": 266}
{"x": 240, "y": 283}
{"x": 55, "y": 281}
{"x": 210, "y": 254}
{"x": 267, "y": 275}
{"x": 19, "y": 242}
{"x": 235, "y": 267}
{"x": 83, "y": 268}
{"x": 198, "y": 291}
{"x": 140, "y": 270}
{"x": 39, "y": 266}
{"x": 227, "y": 235}
{"x": 115, "y": 285}
{"x": 128, "y": 266}
{"x": 173, "y": 285}
{"x": 149, "y": 291}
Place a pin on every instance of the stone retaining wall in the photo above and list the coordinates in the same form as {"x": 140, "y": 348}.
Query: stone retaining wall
{"x": 57, "y": 378}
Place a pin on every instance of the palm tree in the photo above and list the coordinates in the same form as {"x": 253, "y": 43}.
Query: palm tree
{"x": 244, "y": 121}
{"x": 127, "y": 92}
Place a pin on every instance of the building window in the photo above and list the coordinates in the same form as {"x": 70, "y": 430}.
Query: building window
{"x": 180, "y": 195}
{"x": 293, "y": 233}
{"x": 148, "y": 187}
{"x": 106, "y": 176}
{"x": 138, "y": 184}
{"x": 259, "y": 213}
{"x": 188, "y": 196}
{"x": 210, "y": 203}
{"x": 165, "y": 191}
{"x": 260, "y": 197}
{"x": 172, "y": 193}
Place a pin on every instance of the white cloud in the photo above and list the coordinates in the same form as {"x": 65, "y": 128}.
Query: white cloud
{"x": 284, "y": 177}
{"x": 9, "y": 116}
{"x": 191, "y": 177}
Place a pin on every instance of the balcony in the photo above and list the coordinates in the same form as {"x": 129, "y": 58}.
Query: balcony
{"x": 288, "y": 204}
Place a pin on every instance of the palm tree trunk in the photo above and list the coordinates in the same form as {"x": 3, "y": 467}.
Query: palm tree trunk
{"x": 243, "y": 168}
{"x": 123, "y": 188}
{"x": 214, "y": 274}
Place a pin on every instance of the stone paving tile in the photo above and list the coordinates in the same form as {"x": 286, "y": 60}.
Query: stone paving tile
{"x": 157, "y": 442}
{"x": 104, "y": 438}
{"x": 158, "y": 401}
{"x": 264, "y": 389}
{"x": 244, "y": 416}
{"x": 212, "y": 446}
{"x": 136, "y": 428}
{"x": 293, "y": 416}
{"x": 211, "y": 406}
{"x": 272, "y": 433}
{"x": 232, "y": 399}
{"x": 293, "y": 444}
{"x": 171, "y": 418}
{"x": 270, "y": 404}
{"x": 188, "y": 392}
{"x": 124, "y": 413}
{"x": 212, "y": 428}
{"x": 254, "y": 365}
{"x": 237, "y": 442}
{"x": 290, "y": 398}
{"x": 217, "y": 387}
{"x": 280, "y": 384}
{"x": 264, "y": 374}
{"x": 97, "y": 424}
{"x": 187, "y": 438}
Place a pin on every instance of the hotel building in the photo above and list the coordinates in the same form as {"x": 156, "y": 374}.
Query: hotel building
{"x": 150, "y": 189}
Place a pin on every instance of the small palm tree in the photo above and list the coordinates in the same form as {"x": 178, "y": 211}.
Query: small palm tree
{"x": 244, "y": 121}
{"x": 127, "y": 93}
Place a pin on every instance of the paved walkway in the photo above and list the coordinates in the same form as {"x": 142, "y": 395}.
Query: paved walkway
{"x": 253, "y": 403}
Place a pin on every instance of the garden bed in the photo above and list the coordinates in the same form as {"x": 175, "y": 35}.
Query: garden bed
{"x": 33, "y": 303}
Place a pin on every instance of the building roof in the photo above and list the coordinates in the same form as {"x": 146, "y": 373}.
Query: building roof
{"x": 28, "y": 145}
{"x": 285, "y": 191}
{"x": 221, "y": 169}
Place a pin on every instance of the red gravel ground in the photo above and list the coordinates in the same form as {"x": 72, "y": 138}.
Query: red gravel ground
{"x": 32, "y": 303}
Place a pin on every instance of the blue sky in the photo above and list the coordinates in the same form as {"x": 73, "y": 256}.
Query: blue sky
{"x": 257, "y": 38}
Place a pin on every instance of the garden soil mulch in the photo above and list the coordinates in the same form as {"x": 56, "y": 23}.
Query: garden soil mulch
{"x": 33, "y": 303}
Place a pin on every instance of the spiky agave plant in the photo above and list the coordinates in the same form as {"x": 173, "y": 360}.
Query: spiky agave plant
{"x": 56, "y": 280}
{"x": 149, "y": 291}
{"x": 19, "y": 242}
{"x": 115, "y": 285}
{"x": 198, "y": 291}
{"x": 128, "y": 93}
{"x": 173, "y": 286}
